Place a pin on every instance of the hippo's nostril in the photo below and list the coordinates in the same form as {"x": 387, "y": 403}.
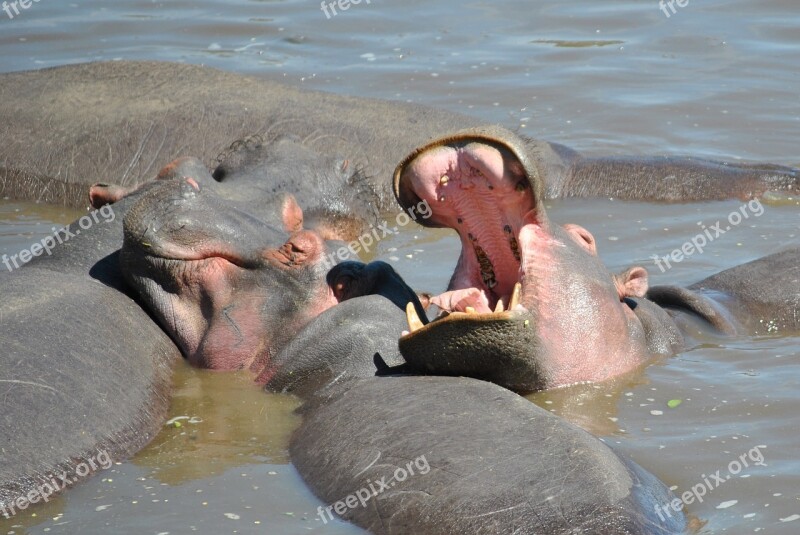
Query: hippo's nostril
{"x": 219, "y": 174}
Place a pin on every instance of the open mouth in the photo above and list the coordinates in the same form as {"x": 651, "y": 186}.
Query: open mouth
{"x": 481, "y": 189}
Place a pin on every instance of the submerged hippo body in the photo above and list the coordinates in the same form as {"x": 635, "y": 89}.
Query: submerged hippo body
{"x": 85, "y": 373}
{"x": 531, "y": 305}
{"x": 121, "y": 121}
{"x": 440, "y": 455}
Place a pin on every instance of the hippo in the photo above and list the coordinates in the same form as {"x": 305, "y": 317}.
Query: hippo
{"x": 530, "y": 305}
{"x": 241, "y": 227}
{"x": 86, "y": 374}
{"x": 60, "y": 379}
{"x": 283, "y": 182}
{"x": 120, "y": 121}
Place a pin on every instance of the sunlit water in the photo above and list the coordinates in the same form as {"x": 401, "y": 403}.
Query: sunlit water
{"x": 717, "y": 78}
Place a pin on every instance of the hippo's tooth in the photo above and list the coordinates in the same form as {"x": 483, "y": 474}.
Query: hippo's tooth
{"x": 470, "y": 310}
{"x": 444, "y": 180}
{"x": 515, "y": 296}
{"x": 499, "y": 307}
{"x": 414, "y": 323}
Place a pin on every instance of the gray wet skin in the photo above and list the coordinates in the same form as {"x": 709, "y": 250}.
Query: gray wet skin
{"x": 120, "y": 122}
{"x": 473, "y": 458}
{"x": 575, "y": 321}
{"x": 86, "y": 374}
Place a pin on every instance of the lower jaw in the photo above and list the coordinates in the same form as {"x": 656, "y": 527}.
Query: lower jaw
{"x": 500, "y": 345}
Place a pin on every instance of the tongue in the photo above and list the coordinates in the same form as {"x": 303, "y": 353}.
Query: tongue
{"x": 459, "y": 300}
{"x": 475, "y": 300}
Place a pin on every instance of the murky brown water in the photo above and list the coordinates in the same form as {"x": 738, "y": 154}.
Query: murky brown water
{"x": 718, "y": 78}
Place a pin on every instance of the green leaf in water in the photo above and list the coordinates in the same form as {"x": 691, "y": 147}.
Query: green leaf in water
{"x": 674, "y": 403}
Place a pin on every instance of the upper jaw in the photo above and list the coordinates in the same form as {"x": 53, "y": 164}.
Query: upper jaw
{"x": 481, "y": 183}
{"x": 495, "y": 136}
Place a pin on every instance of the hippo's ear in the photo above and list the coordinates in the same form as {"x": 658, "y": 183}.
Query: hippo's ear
{"x": 583, "y": 237}
{"x": 103, "y": 194}
{"x": 292, "y": 214}
{"x": 632, "y": 283}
